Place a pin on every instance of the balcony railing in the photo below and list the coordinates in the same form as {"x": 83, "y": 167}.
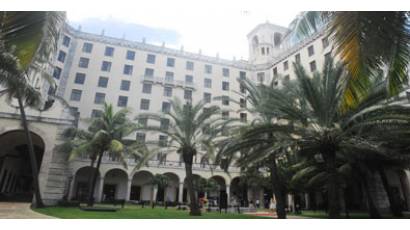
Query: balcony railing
{"x": 164, "y": 81}
{"x": 161, "y": 164}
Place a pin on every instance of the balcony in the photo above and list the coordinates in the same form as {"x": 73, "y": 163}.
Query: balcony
{"x": 167, "y": 82}
{"x": 158, "y": 164}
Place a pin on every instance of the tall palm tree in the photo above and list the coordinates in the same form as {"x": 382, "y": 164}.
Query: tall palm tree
{"x": 106, "y": 134}
{"x": 191, "y": 128}
{"x": 27, "y": 41}
{"x": 367, "y": 42}
{"x": 258, "y": 150}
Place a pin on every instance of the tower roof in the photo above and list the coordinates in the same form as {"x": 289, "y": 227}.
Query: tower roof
{"x": 269, "y": 25}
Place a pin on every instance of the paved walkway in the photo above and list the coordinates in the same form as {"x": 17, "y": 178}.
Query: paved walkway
{"x": 273, "y": 215}
{"x": 17, "y": 210}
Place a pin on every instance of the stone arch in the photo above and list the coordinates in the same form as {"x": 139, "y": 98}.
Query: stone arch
{"x": 141, "y": 187}
{"x": 15, "y": 167}
{"x": 172, "y": 191}
{"x": 81, "y": 184}
{"x": 115, "y": 185}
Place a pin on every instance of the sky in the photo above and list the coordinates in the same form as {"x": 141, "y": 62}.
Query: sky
{"x": 212, "y": 26}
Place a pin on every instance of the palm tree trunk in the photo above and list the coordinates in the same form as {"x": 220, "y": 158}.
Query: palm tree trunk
{"x": 372, "y": 209}
{"x": 94, "y": 181}
{"x": 195, "y": 211}
{"x": 33, "y": 161}
{"x": 278, "y": 190}
{"x": 394, "y": 207}
{"x": 332, "y": 185}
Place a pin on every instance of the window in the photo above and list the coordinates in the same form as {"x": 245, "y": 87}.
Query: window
{"x": 66, "y": 41}
{"x": 106, "y": 66}
{"x": 297, "y": 58}
{"x": 242, "y": 103}
{"x": 95, "y": 113}
{"x": 260, "y": 76}
{"x": 61, "y": 56}
{"x": 144, "y": 104}
{"x": 73, "y": 111}
{"x": 143, "y": 122}
{"x": 125, "y": 85}
{"x": 166, "y": 107}
{"x": 128, "y": 69}
{"x": 87, "y": 47}
{"x": 325, "y": 42}
{"x": 225, "y": 72}
{"x": 83, "y": 63}
{"x": 242, "y": 75}
{"x": 189, "y": 65}
{"x": 79, "y": 78}
{"x": 103, "y": 82}
{"x": 225, "y": 100}
{"x": 225, "y": 115}
{"x": 149, "y": 72}
{"x": 267, "y": 50}
{"x": 225, "y": 85}
{"x": 311, "y": 51}
{"x": 164, "y": 124}
{"x": 57, "y": 72}
{"x": 312, "y": 66}
{"x": 99, "y": 98}
{"x": 263, "y": 50}
{"x": 189, "y": 79}
{"x": 169, "y": 76}
{"x": 243, "y": 117}
{"x": 162, "y": 142}
{"x": 130, "y": 55}
{"x": 151, "y": 58}
{"x": 188, "y": 94}
{"x": 242, "y": 88}
{"x": 122, "y": 101}
{"x": 147, "y": 88}
{"x": 167, "y": 91}
{"x": 75, "y": 95}
{"x": 285, "y": 65}
{"x": 170, "y": 62}
{"x": 141, "y": 137}
{"x": 208, "y": 69}
{"x": 207, "y": 83}
{"x": 207, "y": 97}
{"x": 275, "y": 71}
{"x": 109, "y": 51}
{"x": 286, "y": 78}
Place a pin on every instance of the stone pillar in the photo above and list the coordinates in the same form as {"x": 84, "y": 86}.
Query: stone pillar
{"x": 154, "y": 193}
{"x": 307, "y": 204}
{"x": 181, "y": 192}
{"x": 71, "y": 189}
{"x": 128, "y": 190}
{"x": 228, "y": 197}
{"x": 291, "y": 203}
{"x": 99, "y": 190}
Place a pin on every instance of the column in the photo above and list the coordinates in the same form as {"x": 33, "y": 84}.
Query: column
{"x": 71, "y": 185}
{"x": 291, "y": 203}
{"x": 128, "y": 190}
{"x": 307, "y": 205}
{"x": 228, "y": 195}
{"x": 181, "y": 192}
{"x": 154, "y": 193}
{"x": 99, "y": 190}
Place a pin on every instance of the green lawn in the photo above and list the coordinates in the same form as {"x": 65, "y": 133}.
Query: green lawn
{"x": 136, "y": 212}
{"x": 353, "y": 215}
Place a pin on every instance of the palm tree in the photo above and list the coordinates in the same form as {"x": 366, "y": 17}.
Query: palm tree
{"x": 107, "y": 134}
{"x": 366, "y": 42}
{"x": 312, "y": 120}
{"x": 27, "y": 39}
{"x": 191, "y": 128}
{"x": 161, "y": 182}
{"x": 258, "y": 149}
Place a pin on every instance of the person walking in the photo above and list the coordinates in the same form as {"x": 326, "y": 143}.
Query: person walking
{"x": 272, "y": 204}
